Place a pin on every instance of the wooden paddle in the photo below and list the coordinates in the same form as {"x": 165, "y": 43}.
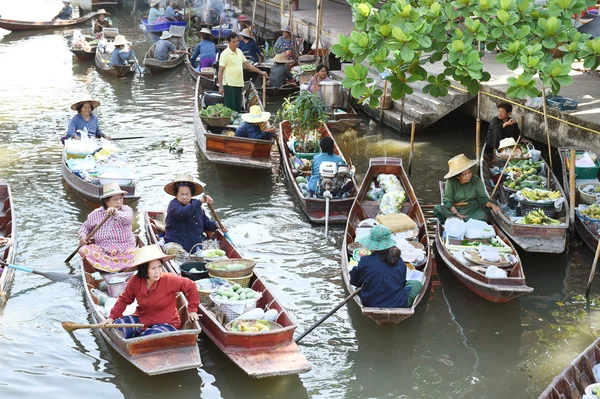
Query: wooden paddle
{"x": 71, "y": 326}
{"x": 412, "y": 146}
{"x": 305, "y": 333}
{"x": 89, "y": 238}
{"x": 571, "y": 190}
{"x": 593, "y": 271}
{"x": 212, "y": 210}
{"x": 504, "y": 168}
{"x": 128, "y": 138}
{"x": 264, "y": 90}
{"x": 49, "y": 275}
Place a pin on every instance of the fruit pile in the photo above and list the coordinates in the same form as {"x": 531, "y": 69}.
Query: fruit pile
{"x": 593, "y": 211}
{"x": 234, "y": 293}
{"x": 538, "y": 217}
{"x": 526, "y": 181}
{"x": 540, "y": 195}
{"x": 250, "y": 326}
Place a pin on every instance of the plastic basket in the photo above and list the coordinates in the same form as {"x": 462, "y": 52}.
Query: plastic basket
{"x": 249, "y": 263}
{"x": 527, "y": 207}
{"x": 115, "y": 289}
{"x": 204, "y": 292}
{"x": 233, "y": 309}
{"x": 243, "y": 281}
{"x": 562, "y": 103}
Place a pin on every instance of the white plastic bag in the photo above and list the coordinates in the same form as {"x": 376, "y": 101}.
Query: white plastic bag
{"x": 478, "y": 229}
{"x": 495, "y": 272}
{"x": 455, "y": 228}
{"x": 596, "y": 371}
{"x": 392, "y": 202}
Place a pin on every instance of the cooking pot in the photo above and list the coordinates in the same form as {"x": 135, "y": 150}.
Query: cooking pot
{"x": 212, "y": 98}
{"x": 331, "y": 93}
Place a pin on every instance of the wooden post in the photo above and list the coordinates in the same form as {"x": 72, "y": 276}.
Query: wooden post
{"x": 317, "y": 28}
{"x": 293, "y": 36}
{"x": 546, "y": 127}
{"x": 264, "y": 91}
{"x": 572, "y": 190}
{"x": 412, "y": 146}
{"x": 402, "y": 114}
{"x": 477, "y": 135}
{"x": 593, "y": 271}
{"x": 253, "y": 15}
{"x": 265, "y": 24}
{"x": 385, "y": 84}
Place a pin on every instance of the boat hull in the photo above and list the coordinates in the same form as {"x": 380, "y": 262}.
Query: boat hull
{"x": 156, "y": 66}
{"x": 8, "y": 228}
{"x": 157, "y": 28}
{"x": 82, "y": 55}
{"x": 15, "y": 26}
{"x": 101, "y": 61}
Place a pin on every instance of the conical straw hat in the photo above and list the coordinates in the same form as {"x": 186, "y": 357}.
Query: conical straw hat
{"x": 459, "y": 164}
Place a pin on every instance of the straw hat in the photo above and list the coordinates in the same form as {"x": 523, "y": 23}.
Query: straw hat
{"x": 120, "y": 40}
{"x": 246, "y": 33}
{"x": 286, "y": 29}
{"x": 165, "y": 35}
{"x": 170, "y": 187}
{"x": 243, "y": 18}
{"x": 154, "y": 2}
{"x": 281, "y": 59}
{"x": 379, "y": 238}
{"x": 507, "y": 142}
{"x": 206, "y": 30}
{"x": 111, "y": 189}
{"x": 149, "y": 253}
{"x": 66, "y": 1}
{"x": 87, "y": 99}
{"x": 459, "y": 164}
{"x": 102, "y": 11}
{"x": 256, "y": 115}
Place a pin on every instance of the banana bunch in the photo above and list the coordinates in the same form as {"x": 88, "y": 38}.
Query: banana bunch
{"x": 592, "y": 211}
{"x": 540, "y": 195}
{"x": 538, "y": 217}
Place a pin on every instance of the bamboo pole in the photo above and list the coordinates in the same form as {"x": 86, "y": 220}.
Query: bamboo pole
{"x": 478, "y": 120}
{"x": 253, "y": 15}
{"x": 383, "y": 102}
{"x": 412, "y": 146}
{"x": 572, "y": 190}
{"x": 264, "y": 91}
{"x": 293, "y": 36}
{"x": 593, "y": 271}
{"x": 546, "y": 127}
{"x": 504, "y": 168}
{"x": 317, "y": 28}
{"x": 265, "y": 23}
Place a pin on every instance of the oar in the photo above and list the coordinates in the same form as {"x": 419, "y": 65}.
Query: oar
{"x": 89, "y": 238}
{"x": 593, "y": 271}
{"x": 49, "y": 275}
{"x": 571, "y": 190}
{"x": 504, "y": 168}
{"x": 305, "y": 333}
{"x": 264, "y": 88}
{"x": 127, "y": 138}
{"x": 212, "y": 210}
{"x": 412, "y": 146}
{"x": 71, "y": 326}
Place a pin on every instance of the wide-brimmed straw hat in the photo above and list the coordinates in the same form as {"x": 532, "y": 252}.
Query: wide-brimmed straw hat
{"x": 507, "y": 142}
{"x": 102, "y": 11}
{"x": 378, "y": 239}
{"x": 149, "y": 253}
{"x": 170, "y": 187}
{"x": 459, "y": 164}
{"x": 120, "y": 40}
{"x": 165, "y": 35}
{"x": 256, "y": 115}
{"x": 87, "y": 99}
{"x": 206, "y": 30}
{"x": 246, "y": 33}
{"x": 286, "y": 29}
{"x": 111, "y": 189}
{"x": 281, "y": 59}
{"x": 154, "y": 2}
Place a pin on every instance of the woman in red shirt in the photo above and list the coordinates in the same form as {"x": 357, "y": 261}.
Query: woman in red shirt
{"x": 156, "y": 294}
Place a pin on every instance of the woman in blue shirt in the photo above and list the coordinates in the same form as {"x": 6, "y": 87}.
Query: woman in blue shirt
{"x": 66, "y": 13}
{"x": 284, "y": 44}
{"x": 186, "y": 221}
{"x": 383, "y": 273}
{"x": 206, "y": 50}
{"x": 119, "y": 55}
{"x": 249, "y": 46}
{"x": 84, "y": 119}
{"x": 326, "y": 155}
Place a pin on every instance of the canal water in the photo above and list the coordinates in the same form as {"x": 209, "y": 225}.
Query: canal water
{"x": 455, "y": 346}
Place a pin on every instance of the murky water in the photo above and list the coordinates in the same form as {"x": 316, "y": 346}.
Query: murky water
{"x": 455, "y": 346}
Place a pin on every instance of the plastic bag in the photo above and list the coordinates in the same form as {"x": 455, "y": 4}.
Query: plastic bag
{"x": 478, "y": 229}
{"x": 495, "y": 272}
{"x": 455, "y": 228}
{"x": 392, "y": 202}
{"x": 375, "y": 193}
{"x": 414, "y": 274}
{"x": 596, "y": 371}
{"x": 389, "y": 183}
{"x": 535, "y": 102}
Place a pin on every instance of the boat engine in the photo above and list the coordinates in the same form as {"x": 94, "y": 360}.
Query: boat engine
{"x": 334, "y": 178}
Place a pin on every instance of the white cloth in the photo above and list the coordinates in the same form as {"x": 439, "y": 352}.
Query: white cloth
{"x": 489, "y": 253}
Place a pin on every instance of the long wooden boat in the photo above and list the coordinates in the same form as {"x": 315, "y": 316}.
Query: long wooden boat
{"x": 156, "y": 66}
{"x": 572, "y": 381}
{"x": 532, "y": 238}
{"x": 89, "y": 191}
{"x": 364, "y": 208}
{"x": 283, "y": 91}
{"x": 259, "y": 355}
{"x": 313, "y": 207}
{"x": 82, "y": 54}
{"x": 231, "y": 150}
{"x": 119, "y": 71}
{"x": 207, "y": 80}
{"x": 153, "y": 354}
{"x": 14, "y": 26}
{"x": 498, "y": 290}
{"x": 157, "y": 28}
{"x": 343, "y": 121}
{"x": 8, "y": 229}
{"x": 588, "y": 231}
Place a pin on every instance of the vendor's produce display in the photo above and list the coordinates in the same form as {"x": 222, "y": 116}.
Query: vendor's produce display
{"x": 537, "y": 195}
{"x": 592, "y": 211}
{"x": 525, "y": 165}
{"x": 235, "y": 293}
{"x": 307, "y": 68}
{"x": 520, "y": 152}
{"x": 526, "y": 181}
{"x": 589, "y": 192}
{"x": 219, "y": 115}
{"x": 538, "y": 217}
{"x": 231, "y": 268}
{"x": 252, "y": 326}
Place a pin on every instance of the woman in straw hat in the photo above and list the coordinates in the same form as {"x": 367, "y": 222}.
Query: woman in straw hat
{"x": 186, "y": 221}
{"x": 464, "y": 196}
{"x": 382, "y": 274}
{"x": 84, "y": 120}
{"x": 119, "y": 55}
{"x": 164, "y": 47}
{"x": 250, "y": 128}
{"x": 280, "y": 73}
{"x": 242, "y": 23}
{"x": 284, "y": 45}
{"x": 156, "y": 295}
{"x": 249, "y": 46}
{"x": 156, "y": 15}
{"x": 101, "y": 22}
{"x": 65, "y": 13}
{"x": 205, "y": 53}
{"x": 114, "y": 242}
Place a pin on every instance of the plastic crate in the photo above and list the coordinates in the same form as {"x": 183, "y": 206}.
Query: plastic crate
{"x": 114, "y": 290}
{"x": 562, "y": 103}
{"x": 585, "y": 172}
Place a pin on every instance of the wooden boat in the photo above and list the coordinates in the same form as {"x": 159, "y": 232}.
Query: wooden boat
{"x": 362, "y": 209}
{"x": 89, "y": 191}
{"x": 14, "y": 26}
{"x": 82, "y": 54}
{"x": 153, "y": 354}
{"x": 156, "y": 66}
{"x": 259, "y": 355}
{"x": 342, "y": 121}
{"x": 572, "y": 381}
{"x": 119, "y": 71}
{"x": 532, "y": 238}
{"x": 157, "y": 28}
{"x": 207, "y": 79}
{"x": 231, "y": 150}
{"x": 8, "y": 229}
{"x": 313, "y": 207}
{"x": 498, "y": 290}
{"x": 283, "y": 91}
{"x": 588, "y": 231}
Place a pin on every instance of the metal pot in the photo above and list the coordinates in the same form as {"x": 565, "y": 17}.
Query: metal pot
{"x": 213, "y": 98}
{"x": 331, "y": 93}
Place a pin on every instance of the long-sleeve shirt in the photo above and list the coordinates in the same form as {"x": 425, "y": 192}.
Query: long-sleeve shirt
{"x": 66, "y": 13}
{"x": 204, "y": 49}
{"x": 157, "y": 304}
{"x": 171, "y": 13}
{"x": 153, "y": 14}
{"x": 115, "y": 233}
{"x": 384, "y": 285}
{"x": 496, "y": 133}
{"x": 280, "y": 73}
{"x": 99, "y": 25}
{"x": 473, "y": 193}
{"x": 312, "y": 82}
{"x": 163, "y": 47}
{"x": 250, "y": 49}
{"x": 119, "y": 57}
{"x": 186, "y": 224}
{"x": 282, "y": 45}
{"x": 78, "y": 123}
{"x": 315, "y": 176}
{"x": 252, "y": 131}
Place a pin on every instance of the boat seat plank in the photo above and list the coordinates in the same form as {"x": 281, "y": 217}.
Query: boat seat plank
{"x": 282, "y": 360}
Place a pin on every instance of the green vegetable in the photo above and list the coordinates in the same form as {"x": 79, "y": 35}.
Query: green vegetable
{"x": 217, "y": 111}
{"x": 236, "y": 287}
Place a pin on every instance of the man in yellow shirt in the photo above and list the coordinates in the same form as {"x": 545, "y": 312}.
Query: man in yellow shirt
{"x": 231, "y": 73}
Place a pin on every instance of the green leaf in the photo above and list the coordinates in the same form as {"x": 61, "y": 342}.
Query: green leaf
{"x": 407, "y": 53}
{"x": 458, "y": 45}
{"x": 385, "y": 30}
{"x": 503, "y": 16}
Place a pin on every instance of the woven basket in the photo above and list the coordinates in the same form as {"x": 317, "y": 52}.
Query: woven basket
{"x": 244, "y": 281}
{"x": 527, "y": 207}
{"x": 214, "y": 121}
{"x": 114, "y": 290}
{"x": 231, "y": 309}
{"x": 272, "y": 324}
{"x": 587, "y": 198}
{"x": 249, "y": 263}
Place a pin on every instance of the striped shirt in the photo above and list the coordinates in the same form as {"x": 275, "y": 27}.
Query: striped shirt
{"x": 115, "y": 233}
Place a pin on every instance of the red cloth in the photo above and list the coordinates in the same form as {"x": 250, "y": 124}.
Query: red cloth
{"x": 158, "y": 304}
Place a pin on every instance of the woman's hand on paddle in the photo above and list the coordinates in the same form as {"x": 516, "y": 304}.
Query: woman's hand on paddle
{"x": 106, "y": 321}
{"x": 111, "y": 211}
{"x": 84, "y": 241}
{"x": 206, "y": 199}
{"x": 193, "y": 316}
{"x": 495, "y": 208}
{"x": 224, "y": 229}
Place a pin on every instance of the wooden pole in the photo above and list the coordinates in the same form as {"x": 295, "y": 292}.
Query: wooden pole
{"x": 292, "y": 32}
{"x": 504, "y": 168}
{"x": 412, "y": 146}
{"x": 593, "y": 271}
{"x": 265, "y": 23}
{"x": 478, "y": 120}
{"x": 253, "y": 15}
{"x": 317, "y": 30}
{"x": 90, "y": 236}
{"x": 546, "y": 127}
{"x": 385, "y": 84}
{"x": 572, "y": 190}
{"x": 264, "y": 91}
{"x": 402, "y": 115}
